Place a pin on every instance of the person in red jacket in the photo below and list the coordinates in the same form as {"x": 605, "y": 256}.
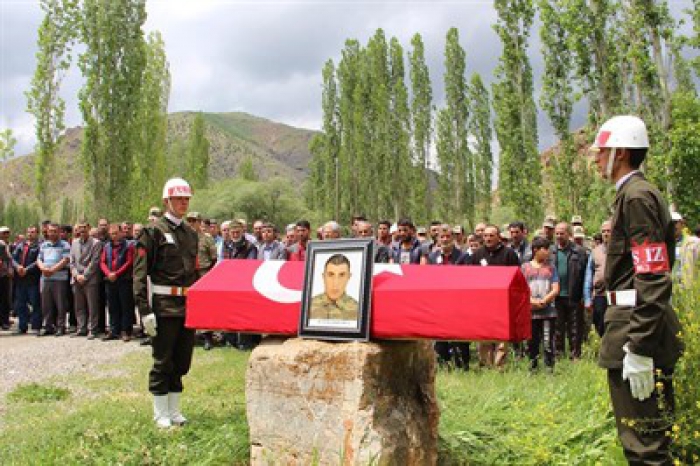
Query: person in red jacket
{"x": 117, "y": 263}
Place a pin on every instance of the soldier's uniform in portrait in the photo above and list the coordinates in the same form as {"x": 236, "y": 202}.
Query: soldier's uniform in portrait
{"x": 640, "y": 316}
{"x": 345, "y": 308}
{"x": 166, "y": 253}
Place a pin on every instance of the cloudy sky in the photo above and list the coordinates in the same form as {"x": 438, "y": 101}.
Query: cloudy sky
{"x": 261, "y": 57}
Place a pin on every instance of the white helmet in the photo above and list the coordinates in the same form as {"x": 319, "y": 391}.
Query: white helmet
{"x": 176, "y": 187}
{"x": 624, "y": 132}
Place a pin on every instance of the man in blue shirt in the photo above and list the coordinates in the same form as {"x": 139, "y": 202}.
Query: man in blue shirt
{"x": 53, "y": 260}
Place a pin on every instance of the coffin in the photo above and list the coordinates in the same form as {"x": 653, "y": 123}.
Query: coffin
{"x": 408, "y": 301}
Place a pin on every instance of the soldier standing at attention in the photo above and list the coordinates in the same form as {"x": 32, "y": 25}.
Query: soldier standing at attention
{"x": 167, "y": 254}
{"x": 640, "y": 345}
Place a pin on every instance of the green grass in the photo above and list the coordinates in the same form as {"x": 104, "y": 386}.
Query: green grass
{"x": 487, "y": 417}
{"x": 36, "y": 393}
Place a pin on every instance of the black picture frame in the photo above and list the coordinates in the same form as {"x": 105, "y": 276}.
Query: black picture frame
{"x": 324, "y": 315}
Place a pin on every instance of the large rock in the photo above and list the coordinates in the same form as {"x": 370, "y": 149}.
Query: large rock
{"x": 313, "y": 402}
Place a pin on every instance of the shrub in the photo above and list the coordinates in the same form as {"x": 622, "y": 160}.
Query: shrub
{"x": 686, "y": 430}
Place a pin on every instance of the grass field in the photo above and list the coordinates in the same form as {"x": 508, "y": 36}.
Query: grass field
{"x": 487, "y": 417}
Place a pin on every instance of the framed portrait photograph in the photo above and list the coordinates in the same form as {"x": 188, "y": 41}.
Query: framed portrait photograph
{"x": 336, "y": 300}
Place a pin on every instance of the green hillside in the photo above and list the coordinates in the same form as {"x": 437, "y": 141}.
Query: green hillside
{"x": 275, "y": 149}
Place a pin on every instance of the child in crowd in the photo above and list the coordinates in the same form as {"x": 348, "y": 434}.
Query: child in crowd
{"x": 542, "y": 277}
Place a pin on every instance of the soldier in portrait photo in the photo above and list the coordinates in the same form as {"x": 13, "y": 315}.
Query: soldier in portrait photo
{"x": 334, "y": 303}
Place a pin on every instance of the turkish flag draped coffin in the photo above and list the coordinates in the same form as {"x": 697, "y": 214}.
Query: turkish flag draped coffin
{"x": 408, "y": 301}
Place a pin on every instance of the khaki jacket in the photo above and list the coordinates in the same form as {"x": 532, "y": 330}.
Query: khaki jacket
{"x": 345, "y": 308}
{"x": 651, "y": 326}
{"x": 167, "y": 254}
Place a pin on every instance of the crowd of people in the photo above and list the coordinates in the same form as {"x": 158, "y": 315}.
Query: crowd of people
{"x": 78, "y": 280}
{"x": 62, "y": 279}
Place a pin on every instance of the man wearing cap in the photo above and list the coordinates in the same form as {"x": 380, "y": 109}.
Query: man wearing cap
{"x": 579, "y": 235}
{"x": 548, "y": 227}
{"x": 640, "y": 346}
{"x": 6, "y": 272}
{"x": 576, "y": 221}
{"x": 685, "y": 269}
{"x": 206, "y": 247}
{"x": 166, "y": 252}
{"x": 154, "y": 213}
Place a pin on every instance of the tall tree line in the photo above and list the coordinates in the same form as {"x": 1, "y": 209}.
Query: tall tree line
{"x": 382, "y": 147}
{"x": 616, "y": 56}
{"x": 123, "y": 103}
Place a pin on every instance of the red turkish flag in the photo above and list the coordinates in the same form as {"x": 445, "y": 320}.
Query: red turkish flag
{"x": 410, "y": 302}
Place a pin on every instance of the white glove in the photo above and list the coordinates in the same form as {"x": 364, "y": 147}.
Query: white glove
{"x": 149, "y": 324}
{"x": 640, "y": 372}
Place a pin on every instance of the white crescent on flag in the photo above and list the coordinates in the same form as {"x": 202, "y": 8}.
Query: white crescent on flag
{"x": 266, "y": 281}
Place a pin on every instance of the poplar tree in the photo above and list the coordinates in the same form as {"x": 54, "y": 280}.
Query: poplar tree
{"x": 349, "y": 116}
{"x": 198, "y": 153}
{"x": 57, "y": 34}
{"x": 398, "y": 177}
{"x": 649, "y": 30}
{"x": 322, "y": 186}
{"x": 112, "y": 64}
{"x": 7, "y": 144}
{"x": 456, "y": 179}
{"x": 149, "y": 159}
{"x": 564, "y": 181}
{"x": 422, "y": 126}
{"x": 376, "y": 167}
{"x": 480, "y": 133}
{"x": 520, "y": 176}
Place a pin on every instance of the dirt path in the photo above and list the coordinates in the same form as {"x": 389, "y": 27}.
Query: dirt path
{"x": 27, "y": 358}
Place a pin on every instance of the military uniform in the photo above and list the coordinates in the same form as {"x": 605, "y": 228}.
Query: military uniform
{"x": 167, "y": 253}
{"x": 640, "y": 315}
{"x": 345, "y": 308}
{"x": 206, "y": 253}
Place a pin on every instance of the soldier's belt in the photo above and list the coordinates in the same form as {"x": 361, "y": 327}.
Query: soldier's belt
{"x": 169, "y": 290}
{"x": 622, "y": 298}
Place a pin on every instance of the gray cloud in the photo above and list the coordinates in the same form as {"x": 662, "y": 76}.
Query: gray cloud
{"x": 264, "y": 58}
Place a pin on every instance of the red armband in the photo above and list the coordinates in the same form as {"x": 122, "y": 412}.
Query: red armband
{"x": 650, "y": 257}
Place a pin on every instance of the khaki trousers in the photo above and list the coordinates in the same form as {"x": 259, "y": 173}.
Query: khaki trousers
{"x": 643, "y": 426}
{"x": 493, "y": 353}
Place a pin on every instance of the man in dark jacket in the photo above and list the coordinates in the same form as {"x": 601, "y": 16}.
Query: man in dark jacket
{"x": 493, "y": 252}
{"x": 447, "y": 253}
{"x": 117, "y": 264}
{"x": 27, "y": 276}
{"x": 570, "y": 261}
{"x": 407, "y": 250}
{"x": 381, "y": 252}
{"x": 6, "y": 272}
